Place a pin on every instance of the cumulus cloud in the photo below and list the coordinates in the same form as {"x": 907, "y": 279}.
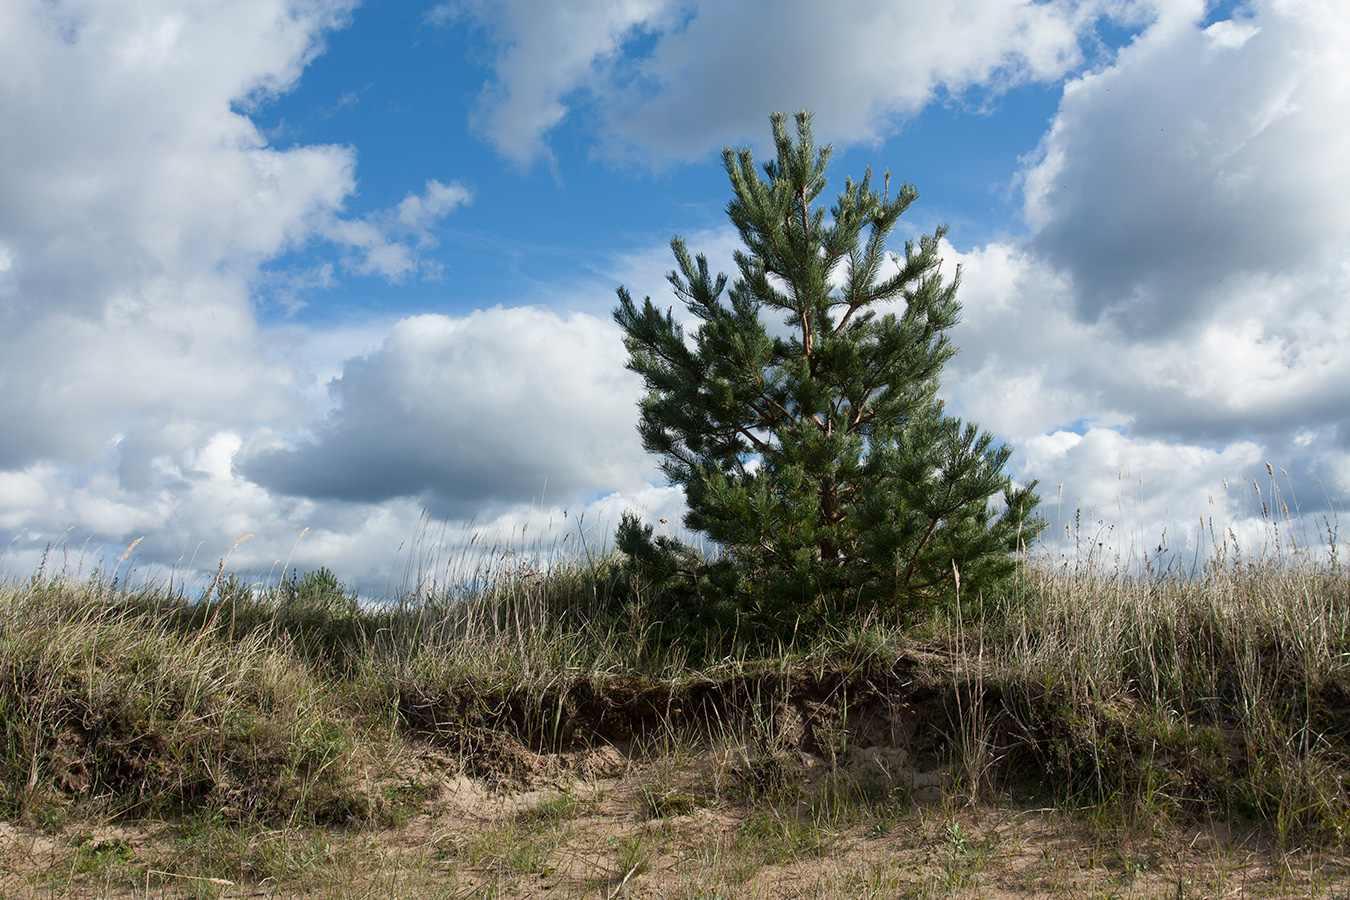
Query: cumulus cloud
{"x": 544, "y": 52}
{"x": 1181, "y": 412}
{"x": 675, "y": 79}
{"x": 387, "y": 242}
{"x": 1174, "y": 317}
{"x": 472, "y": 415}
{"x": 1177, "y": 312}
{"x": 202, "y": 510}
{"x": 138, "y": 205}
{"x": 1125, "y": 496}
{"x": 871, "y": 65}
{"x": 135, "y": 202}
{"x": 125, "y": 153}
{"x": 1203, "y": 159}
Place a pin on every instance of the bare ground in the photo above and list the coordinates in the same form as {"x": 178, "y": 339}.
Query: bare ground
{"x": 662, "y": 819}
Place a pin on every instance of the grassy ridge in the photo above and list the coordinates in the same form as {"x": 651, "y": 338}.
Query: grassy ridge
{"x": 1223, "y": 696}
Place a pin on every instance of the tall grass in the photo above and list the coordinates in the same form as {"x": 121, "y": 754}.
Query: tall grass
{"x": 1223, "y": 692}
{"x": 1219, "y": 692}
{"x": 144, "y": 704}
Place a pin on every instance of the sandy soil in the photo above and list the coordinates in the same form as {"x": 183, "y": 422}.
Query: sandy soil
{"x": 611, "y": 822}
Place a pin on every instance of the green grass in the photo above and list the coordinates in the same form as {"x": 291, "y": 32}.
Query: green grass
{"x": 253, "y": 714}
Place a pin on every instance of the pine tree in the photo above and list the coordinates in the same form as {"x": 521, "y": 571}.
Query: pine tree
{"x": 816, "y": 454}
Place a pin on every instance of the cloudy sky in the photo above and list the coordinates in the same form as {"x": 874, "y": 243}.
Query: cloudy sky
{"x": 338, "y": 276}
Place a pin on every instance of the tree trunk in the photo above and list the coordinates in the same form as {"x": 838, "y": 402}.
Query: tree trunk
{"x": 829, "y": 515}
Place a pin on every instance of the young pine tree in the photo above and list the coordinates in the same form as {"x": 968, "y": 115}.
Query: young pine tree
{"x": 815, "y": 452}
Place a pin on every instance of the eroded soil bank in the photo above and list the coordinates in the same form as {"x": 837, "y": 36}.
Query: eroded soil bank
{"x": 930, "y": 777}
{"x": 663, "y": 819}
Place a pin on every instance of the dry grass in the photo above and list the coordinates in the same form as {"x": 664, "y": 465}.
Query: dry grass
{"x": 1087, "y": 733}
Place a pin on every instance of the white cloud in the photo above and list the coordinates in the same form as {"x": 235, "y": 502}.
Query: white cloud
{"x": 861, "y": 65}
{"x": 201, "y": 508}
{"x": 705, "y": 74}
{"x": 1175, "y": 317}
{"x": 1180, "y": 302}
{"x": 420, "y": 211}
{"x": 473, "y": 414}
{"x": 1203, "y": 158}
{"x": 1121, "y": 501}
{"x": 135, "y": 205}
{"x": 138, "y": 202}
{"x": 387, "y": 242}
{"x": 545, "y": 51}
{"x": 442, "y": 15}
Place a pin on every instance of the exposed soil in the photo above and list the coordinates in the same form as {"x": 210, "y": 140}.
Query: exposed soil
{"x": 655, "y": 816}
{"x": 836, "y": 782}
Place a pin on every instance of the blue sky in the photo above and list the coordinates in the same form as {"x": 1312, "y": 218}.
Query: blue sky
{"x": 319, "y": 272}
{"x": 402, "y": 90}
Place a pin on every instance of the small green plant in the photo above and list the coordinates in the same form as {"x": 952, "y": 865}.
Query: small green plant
{"x": 550, "y": 813}
{"x": 874, "y": 881}
{"x": 778, "y": 836}
{"x": 522, "y": 845}
{"x": 957, "y": 839}
{"x": 965, "y": 855}
{"x": 102, "y": 857}
{"x": 632, "y": 854}
{"x": 658, "y": 803}
{"x": 212, "y": 846}
{"x": 1137, "y": 865}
